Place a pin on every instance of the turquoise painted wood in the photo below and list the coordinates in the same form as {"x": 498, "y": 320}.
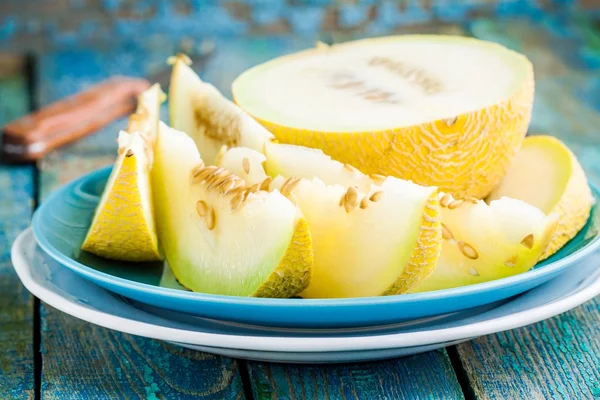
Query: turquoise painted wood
{"x": 82, "y": 361}
{"x": 558, "y": 358}
{"x": 16, "y": 304}
{"x": 425, "y": 376}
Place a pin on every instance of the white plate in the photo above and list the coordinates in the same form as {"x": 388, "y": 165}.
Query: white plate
{"x": 66, "y": 291}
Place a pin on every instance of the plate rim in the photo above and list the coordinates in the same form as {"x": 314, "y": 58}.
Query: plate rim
{"x": 93, "y": 274}
{"x": 288, "y": 344}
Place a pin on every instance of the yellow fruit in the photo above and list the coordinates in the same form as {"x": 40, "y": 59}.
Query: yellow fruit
{"x": 484, "y": 242}
{"x": 370, "y": 236}
{"x": 219, "y": 235}
{"x": 123, "y": 224}
{"x": 439, "y": 111}
{"x": 546, "y": 174}
{"x": 198, "y": 109}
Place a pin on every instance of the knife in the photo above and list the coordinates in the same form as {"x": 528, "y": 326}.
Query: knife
{"x": 32, "y": 136}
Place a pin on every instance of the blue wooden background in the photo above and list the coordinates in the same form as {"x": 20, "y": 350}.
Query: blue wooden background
{"x": 38, "y": 22}
{"x": 46, "y": 354}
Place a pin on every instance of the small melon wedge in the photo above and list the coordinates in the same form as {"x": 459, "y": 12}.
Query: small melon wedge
{"x": 220, "y": 236}
{"x": 546, "y": 174}
{"x": 211, "y": 120}
{"x": 485, "y": 242}
{"x": 123, "y": 225}
{"x": 444, "y": 111}
{"x": 370, "y": 238}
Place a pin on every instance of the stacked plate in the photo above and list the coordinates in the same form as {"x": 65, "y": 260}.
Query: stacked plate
{"x": 146, "y": 300}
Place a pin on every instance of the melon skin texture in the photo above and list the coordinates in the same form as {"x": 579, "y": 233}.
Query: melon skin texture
{"x": 123, "y": 226}
{"x": 464, "y": 151}
{"x": 211, "y": 120}
{"x": 214, "y": 242}
{"x": 484, "y": 242}
{"x": 378, "y": 237}
{"x": 546, "y": 174}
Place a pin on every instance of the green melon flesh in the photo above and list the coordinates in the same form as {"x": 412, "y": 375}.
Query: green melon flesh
{"x": 200, "y": 110}
{"x": 508, "y": 236}
{"x": 358, "y": 253}
{"x": 248, "y": 250}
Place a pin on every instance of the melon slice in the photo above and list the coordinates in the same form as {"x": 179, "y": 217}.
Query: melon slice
{"x": 444, "y": 111}
{"x": 546, "y": 174}
{"x": 485, "y": 242}
{"x": 123, "y": 225}
{"x": 369, "y": 239}
{"x": 198, "y": 109}
{"x": 219, "y": 235}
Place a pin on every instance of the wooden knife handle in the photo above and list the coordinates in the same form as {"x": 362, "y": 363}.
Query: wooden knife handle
{"x": 30, "y": 137}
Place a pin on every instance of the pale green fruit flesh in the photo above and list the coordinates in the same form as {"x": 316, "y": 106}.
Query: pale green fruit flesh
{"x": 305, "y": 162}
{"x": 358, "y": 251}
{"x": 361, "y": 252}
{"x": 485, "y": 242}
{"x": 211, "y": 120}
{"x": 379, "y": 84}
{"x": 245, "y": 163}
{"x": 244, "y": 251}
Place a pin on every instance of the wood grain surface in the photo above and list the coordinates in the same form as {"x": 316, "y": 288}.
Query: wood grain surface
{"x": 16, "y": 206}
{"x": 558, "y": 358}
{"x": 83, "y": 361}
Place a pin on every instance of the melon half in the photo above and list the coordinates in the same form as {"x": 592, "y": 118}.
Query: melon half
{"x": 370, "y": 236}
{"x": 220, "y": 235}
{"x": 439, "y": 111}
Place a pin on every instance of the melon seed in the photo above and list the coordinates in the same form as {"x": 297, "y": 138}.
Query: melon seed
{"x": 468, "y": 250}
{"x": 528, "y": 241}
{"x": 201, "y": 208}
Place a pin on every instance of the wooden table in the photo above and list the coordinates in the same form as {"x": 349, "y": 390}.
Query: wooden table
{"x": 47, "y": 354}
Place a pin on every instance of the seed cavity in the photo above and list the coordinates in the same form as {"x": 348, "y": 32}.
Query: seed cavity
{"x": 511, "y": 262}
{"x": 468, "y": 250}
{"x": 201, "y": 208}
{"x": 528, "y": 241}
{"x": 455, "y": 204}
{"x": 375, "y": 197}
{"x": 473, "y": 271}
{"x": 246, "y": 165}
{"x": 446, "y": 233}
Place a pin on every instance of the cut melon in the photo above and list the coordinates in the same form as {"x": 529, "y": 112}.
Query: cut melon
{"x": 123, "y": 225}
{"x": 219, "y": 235}
{"x": 441, "y": 111}
{"x": 370, "y": 238}
{"x": 546, "y": 174}
{"x": 485, "y": 242}
{"x": 198, "y": 109}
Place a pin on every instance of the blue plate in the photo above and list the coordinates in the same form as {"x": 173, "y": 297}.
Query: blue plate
{"x": 62, "y": 221}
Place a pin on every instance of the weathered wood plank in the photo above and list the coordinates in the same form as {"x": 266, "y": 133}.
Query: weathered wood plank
{"x": 559, "y": 357}
{"x": 16, "y": 205}
{"x": 426, "y": 376}
{"x": 84, "y": 361}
